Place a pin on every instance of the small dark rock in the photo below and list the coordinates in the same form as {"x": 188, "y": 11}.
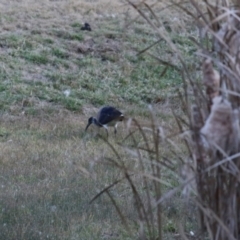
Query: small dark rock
{"x": 86, "y": 27}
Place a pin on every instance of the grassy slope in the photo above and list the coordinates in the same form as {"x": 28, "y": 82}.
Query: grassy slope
{"x": 48, "y": 171}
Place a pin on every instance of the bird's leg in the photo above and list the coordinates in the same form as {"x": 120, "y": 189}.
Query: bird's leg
{"x": 107, "y": 132}
{"x": 106, "y": 129}
{"x": 115, "y": 128}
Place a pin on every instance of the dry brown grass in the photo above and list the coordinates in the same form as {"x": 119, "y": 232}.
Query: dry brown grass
{"x": 50, "y": 169}
{"x": 47, "y": 179}
{"x": 60, "y": 12}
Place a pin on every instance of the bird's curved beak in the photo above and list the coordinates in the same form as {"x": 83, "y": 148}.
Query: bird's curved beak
{"x": 87, "y": 126}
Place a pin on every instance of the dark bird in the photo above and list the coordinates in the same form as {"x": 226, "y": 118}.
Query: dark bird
{"x": 106, "y": 117}
{"x": 86, "y": 27}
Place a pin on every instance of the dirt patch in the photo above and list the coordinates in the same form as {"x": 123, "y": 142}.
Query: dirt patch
{"x": 107, "y": 49}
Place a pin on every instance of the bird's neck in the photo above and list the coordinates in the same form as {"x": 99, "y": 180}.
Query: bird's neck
{"x": 96, "y": 122}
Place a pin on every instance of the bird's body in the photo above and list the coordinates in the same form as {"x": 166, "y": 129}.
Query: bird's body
{"x": 107, "y": 116}
{"x": 86, "y": 27}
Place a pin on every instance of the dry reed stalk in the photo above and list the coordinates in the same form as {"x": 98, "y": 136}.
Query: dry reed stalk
{"x": 214, "y": 119}
{"x": 218, "y": 188}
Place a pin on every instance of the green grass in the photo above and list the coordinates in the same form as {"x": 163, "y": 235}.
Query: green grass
{"x": 36, "y": 58}
{"x": 122, "y": 74}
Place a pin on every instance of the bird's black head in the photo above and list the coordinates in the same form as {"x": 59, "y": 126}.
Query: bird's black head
{"x": 90, "y": 121}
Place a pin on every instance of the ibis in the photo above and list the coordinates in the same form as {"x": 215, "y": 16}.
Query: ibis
{"x": 106, "y": 117}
